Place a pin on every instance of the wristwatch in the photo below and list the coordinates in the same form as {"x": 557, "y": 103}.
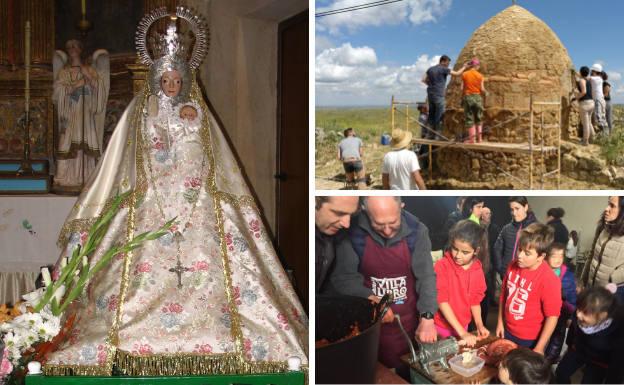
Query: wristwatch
{"x": 426, "y": 315}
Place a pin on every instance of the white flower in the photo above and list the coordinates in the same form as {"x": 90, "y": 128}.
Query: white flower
{"x": 59, "y": 293}
{"x": 33, "y": 298}
{"x": 49, "y": 329}
{"x": 28, "y": 320}
{"x": 15, "y": 343}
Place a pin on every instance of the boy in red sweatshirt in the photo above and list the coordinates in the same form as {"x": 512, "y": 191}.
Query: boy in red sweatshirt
{"x": 530, "y": 294}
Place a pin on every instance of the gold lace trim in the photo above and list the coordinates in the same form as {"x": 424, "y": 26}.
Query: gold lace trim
{"x": 211, "y": 187}
{"x": 78, "y": 225}
{"x": 74, "y": 226}
{"x": 175, "y": 365}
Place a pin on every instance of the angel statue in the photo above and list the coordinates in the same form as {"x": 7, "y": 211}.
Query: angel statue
{"x": 80, "y": 95}
{"x": 209, "y": 297}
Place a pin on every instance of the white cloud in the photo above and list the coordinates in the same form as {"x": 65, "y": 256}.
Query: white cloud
{"x": 614, "y": 76}
{"x": 339, "y": 64}
{"x": 322, "y": 43}
{"x": 423, "y": 11}
{"x": 351, "y": 76}
{"x": 412, "y": 11}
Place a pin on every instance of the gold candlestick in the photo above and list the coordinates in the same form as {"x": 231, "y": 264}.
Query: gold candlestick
{"x": 26, "y": 167}
{"x": 27, "y": 65}
{"x": 83, "y": 24}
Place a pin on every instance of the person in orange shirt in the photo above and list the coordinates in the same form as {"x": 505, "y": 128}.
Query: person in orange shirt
{"x": 472, "y": 103}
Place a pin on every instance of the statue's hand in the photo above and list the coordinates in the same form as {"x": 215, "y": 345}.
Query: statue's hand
{"x": 88, "y": 74}
{"x": 79, "y": 84}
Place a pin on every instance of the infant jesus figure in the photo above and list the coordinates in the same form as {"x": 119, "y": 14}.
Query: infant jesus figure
{"x": 188, "y": 112}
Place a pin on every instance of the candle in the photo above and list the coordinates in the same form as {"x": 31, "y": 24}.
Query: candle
{"x": 27, "y": 64}
{"x": 84, "y": 9}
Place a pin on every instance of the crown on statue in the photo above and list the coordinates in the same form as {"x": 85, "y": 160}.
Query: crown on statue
{"x": 171, "y": 44}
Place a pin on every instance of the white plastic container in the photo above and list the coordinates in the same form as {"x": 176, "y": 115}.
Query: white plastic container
{"x": 466, "y": 369}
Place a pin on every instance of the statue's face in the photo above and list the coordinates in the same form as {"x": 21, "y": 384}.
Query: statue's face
{"x": 171, "y": 83}
{"x": 73, "y": 48}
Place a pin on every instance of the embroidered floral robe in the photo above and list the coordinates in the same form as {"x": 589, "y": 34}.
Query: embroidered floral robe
{"x": 232, "y": 308}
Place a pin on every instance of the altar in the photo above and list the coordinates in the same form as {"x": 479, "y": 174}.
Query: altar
{"x": 29, "y": 227}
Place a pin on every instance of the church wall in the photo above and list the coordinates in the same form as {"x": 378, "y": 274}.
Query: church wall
{"x": 239, "y": 76}
{"x": 581, "y": 214}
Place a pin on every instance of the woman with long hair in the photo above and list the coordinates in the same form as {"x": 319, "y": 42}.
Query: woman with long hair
{"x": 606, "y": 264}
{"x": 506, "y": 246}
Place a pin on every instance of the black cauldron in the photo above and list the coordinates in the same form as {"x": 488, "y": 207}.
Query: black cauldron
{"x": 352, "y": 360}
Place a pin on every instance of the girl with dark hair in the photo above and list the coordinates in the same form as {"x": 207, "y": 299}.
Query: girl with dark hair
{"x": 595, "y": 340}
{"x": 506, "y": 246}
{"x": 606, "y": 264}
{"x": 554, "y": 219}
{"x": 524, "y": 366}
{"x": 461, "y": 283}
{"x": 472, "y": 209}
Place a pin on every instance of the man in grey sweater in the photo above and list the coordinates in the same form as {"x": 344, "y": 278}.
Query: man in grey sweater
{"x": 388, "y": 250}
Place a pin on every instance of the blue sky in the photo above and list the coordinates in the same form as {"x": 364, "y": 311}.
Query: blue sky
{"x": 366, "y": 56}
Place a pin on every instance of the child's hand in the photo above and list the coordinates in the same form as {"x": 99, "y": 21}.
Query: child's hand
{"x": 469, "y": 339}
{"x": 538, "y": 350}
{"x": 483, "y": 331}
{"x": 500, "y": 330}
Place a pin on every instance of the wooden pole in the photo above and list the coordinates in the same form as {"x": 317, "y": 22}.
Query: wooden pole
{"x": 407, "y": 117}
{"x": 531, "y": 143}
{"x": 392, "y": 113}
{"x": 542, "y": 152}
{"x": 559, "y": 149}
{"x": 430, "y": 164}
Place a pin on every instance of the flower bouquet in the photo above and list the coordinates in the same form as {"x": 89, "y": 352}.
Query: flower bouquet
{"x": 35, "y": 327}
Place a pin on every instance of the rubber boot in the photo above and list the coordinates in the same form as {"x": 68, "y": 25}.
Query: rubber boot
{"x": 471, "y": 135}
{"x": 479, "y": 133}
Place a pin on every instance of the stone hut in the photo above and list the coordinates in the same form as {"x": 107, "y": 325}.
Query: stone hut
{"x": 520, "y": 56}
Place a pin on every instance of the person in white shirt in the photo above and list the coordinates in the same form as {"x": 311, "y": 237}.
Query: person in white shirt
{"x": 601, "y": 105}
{"x": 572, "y": 249}
{"x": 400, "y": 169}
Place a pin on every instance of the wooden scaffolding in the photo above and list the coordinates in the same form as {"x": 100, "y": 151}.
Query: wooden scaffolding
{"x": 530, "y": 149}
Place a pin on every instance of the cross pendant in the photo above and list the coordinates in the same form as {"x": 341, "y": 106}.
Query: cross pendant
{"x": 179, "y": 269}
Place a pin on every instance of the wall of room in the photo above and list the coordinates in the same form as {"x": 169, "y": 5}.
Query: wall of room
{"x": 581, "y": 213}
{"x": 239, "y": 77}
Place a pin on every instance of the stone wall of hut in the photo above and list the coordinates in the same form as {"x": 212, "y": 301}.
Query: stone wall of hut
{"x": 521, "y": 58}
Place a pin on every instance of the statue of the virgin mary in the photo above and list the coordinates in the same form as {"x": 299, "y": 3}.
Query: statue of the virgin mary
{"x": 210, "y": 296}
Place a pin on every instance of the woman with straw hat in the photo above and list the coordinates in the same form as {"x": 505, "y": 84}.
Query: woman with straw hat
{"x": 400, "y": 169}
